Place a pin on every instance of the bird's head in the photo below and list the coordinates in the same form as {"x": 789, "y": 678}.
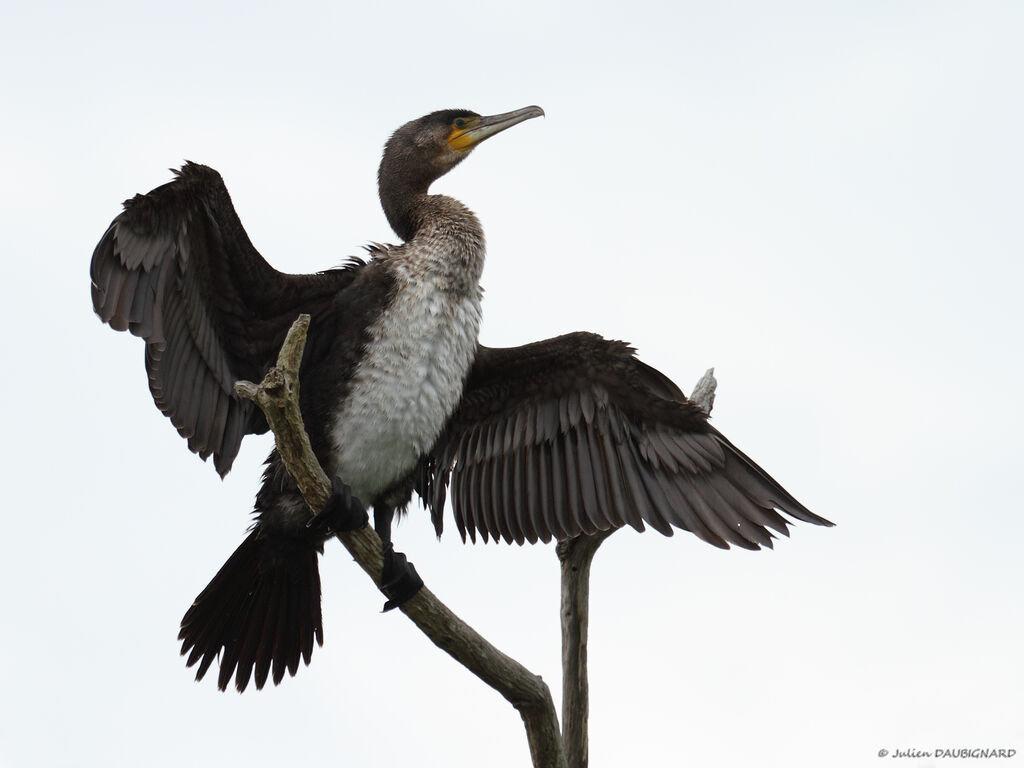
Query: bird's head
{"x": 423, "y": 150}
{"x": 431, "y": 146}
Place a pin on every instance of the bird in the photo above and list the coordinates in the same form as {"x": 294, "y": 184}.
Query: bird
{"x": 551, "y": 440}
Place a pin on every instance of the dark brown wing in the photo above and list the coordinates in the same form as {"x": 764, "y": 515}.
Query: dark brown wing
{"x": 177, "y": 268}
{"x": 575, "y": 435}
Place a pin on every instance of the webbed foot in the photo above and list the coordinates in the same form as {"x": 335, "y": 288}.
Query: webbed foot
{"x": 399, "y": 580}
{"x": 343, "y": 511}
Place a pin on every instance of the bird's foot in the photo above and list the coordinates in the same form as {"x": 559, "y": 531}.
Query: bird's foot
{"x": 399, "y": 580}
{"x": 342, "y": 512}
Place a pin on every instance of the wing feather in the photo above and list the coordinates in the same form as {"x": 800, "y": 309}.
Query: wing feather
{"x": 520, "y": 523}
{"x": 544, "y": 511}
{"x": 557, "y": 481}
{"x": 577, "y": 516}
{"x": 646, "y": 492}
{"x": 473, "y": 496}
{"x": 599, "y": 484}
{"x": 683, "y": 514}
{"x": 493, "y": 491}
{"x": 574, "y": 435}
{"x": 507, "y": 499}
{"x": 589, "y": 502}
{"x": 524, "y": 500}
{"x": 625, "y": 513}
{"x": 177, "y": 269}
{"x": 461, "y": 509}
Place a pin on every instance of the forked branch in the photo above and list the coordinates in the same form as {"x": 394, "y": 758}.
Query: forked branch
{"x": 278, "y": 397}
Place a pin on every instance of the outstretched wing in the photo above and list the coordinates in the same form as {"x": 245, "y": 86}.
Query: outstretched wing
{"x": 574, "y": 435}
{"x": 177, "y": 268}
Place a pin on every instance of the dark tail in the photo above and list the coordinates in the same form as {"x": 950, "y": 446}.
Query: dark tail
{"x": 261, "y": 610}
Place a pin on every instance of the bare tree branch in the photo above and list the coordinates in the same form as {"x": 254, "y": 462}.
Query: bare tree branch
{"x": 576, "y": 555}
{"x": 278, "y": 397}
{"x": 703, "y": 393}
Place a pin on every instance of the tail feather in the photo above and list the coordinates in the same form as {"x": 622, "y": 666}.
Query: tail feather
{"x": 261, "y": 612}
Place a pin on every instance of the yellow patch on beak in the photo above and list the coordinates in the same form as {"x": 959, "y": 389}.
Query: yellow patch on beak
{"x": 467, "y": 132}
{"x": 462, "y": 139}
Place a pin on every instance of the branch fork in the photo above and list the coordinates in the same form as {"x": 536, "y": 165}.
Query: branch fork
{"x": 278, "y": 397}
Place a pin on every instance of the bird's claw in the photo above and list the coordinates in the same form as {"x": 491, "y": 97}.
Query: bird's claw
{"x": 399, "y": 580}
{"x": 342, "y": 512}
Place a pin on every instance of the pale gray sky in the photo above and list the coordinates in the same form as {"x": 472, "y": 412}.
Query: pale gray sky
{"x": 821, "y": 200}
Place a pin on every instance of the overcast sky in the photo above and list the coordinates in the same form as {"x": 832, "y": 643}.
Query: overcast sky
{"x": 822, "y": 200}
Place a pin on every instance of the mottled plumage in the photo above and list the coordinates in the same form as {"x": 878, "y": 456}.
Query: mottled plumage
{"x": 545, "y": 441}
{"x": 410, "y": 377}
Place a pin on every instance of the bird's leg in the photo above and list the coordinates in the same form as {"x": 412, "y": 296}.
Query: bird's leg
{"x": 342, "y": 512}
{"x": 399, "y": 580}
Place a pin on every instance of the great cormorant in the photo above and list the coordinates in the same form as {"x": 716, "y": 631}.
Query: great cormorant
{"x": 550, "y": 440}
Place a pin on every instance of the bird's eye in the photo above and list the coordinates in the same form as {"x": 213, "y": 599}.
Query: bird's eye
{"x": 460, "y": 123}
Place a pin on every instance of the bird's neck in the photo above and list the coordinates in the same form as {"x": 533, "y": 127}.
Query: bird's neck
{"x": 400, "y": 197}
{"x": 446, "y": 241}
{"x": 437, "y": 227}
{"x": 409, "y": 207}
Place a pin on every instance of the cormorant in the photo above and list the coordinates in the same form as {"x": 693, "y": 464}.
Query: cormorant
{"x": 550, "y": 440}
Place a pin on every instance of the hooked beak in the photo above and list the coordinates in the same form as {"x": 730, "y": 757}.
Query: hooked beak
{"x": 480, "y": 128}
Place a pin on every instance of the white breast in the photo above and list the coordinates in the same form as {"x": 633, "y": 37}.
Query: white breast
{"x": 408, "y": 383}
